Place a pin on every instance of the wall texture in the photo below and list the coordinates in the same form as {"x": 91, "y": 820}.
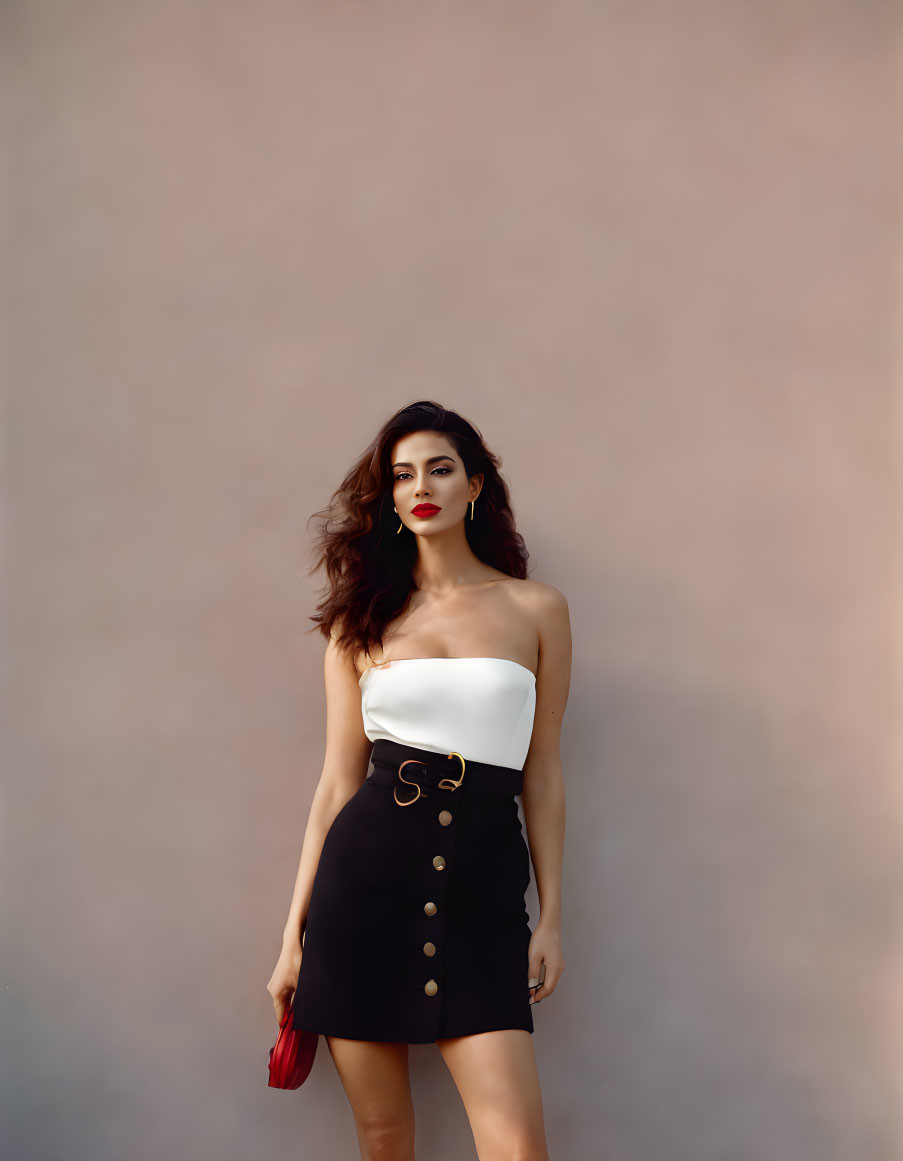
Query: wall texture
{"x": 653, "y": 252}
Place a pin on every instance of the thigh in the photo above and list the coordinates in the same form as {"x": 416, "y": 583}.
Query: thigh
{"x": 376, "y": 1078}
{"x": 496, "y": 1075}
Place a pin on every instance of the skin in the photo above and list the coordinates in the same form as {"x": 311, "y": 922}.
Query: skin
{"x": 461, "y": 607}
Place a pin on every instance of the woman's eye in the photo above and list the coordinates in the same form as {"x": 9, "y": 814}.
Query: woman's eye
{"x": 445, "y": 471}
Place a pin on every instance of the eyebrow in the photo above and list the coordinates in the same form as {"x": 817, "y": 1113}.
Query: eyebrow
{"x": 431, "y": 460}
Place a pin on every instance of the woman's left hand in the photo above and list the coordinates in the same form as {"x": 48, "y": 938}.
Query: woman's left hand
{"x": 545, "y": 948}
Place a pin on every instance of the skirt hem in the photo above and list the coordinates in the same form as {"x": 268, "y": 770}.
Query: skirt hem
{"x": 403, "y": 1040}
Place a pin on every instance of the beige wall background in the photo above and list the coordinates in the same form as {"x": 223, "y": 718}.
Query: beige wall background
{"x": 653, "y": 252}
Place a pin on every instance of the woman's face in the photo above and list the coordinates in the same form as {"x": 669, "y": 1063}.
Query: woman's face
{"x": 430, "y": 489}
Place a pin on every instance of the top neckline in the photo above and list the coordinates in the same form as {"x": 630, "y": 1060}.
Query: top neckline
{"x": 400, "y": 660}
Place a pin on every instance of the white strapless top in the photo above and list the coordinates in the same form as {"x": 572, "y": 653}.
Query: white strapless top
{"x": 480, "y": 707}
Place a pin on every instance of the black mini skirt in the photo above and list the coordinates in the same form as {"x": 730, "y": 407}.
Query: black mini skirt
{"x": 417, "y": 926}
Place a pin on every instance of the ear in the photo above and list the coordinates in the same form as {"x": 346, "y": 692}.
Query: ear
{"x": 475, "y": 481}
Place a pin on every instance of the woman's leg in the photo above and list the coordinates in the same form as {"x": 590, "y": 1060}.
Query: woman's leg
{"x": 495, "y": 1073}
{"x": 377, "y": 1083}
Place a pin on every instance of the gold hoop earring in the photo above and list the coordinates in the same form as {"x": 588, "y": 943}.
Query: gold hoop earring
{"x": 401, "y": 525}
{"x": 471, "y": 509}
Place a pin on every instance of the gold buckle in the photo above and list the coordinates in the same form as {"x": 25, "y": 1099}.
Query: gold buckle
{"x": 408, "y": 783}
{"x": 444, "y": 783}
{"x": 450, "y": 783}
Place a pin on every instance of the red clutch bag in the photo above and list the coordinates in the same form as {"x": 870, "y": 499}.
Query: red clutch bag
{"x": 292, "y": 1056}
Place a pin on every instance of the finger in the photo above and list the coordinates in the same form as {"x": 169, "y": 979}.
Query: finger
{"x": 542, "y": 990}
{"x": 280, "y": 1004}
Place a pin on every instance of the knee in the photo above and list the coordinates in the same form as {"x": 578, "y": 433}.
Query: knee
{"x": 531, "y": 1151}
{"x": 525, "y": 1149}
{"x": 516, "y": 1143}
{"x": 384, "y": 1137}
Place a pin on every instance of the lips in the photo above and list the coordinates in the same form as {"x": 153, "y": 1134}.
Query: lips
{"x": 425, "y": 510}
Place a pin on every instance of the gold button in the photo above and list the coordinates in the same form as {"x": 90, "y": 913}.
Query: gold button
{"x": 430, "y": 908}
{"x": 431, "y": 987}
{"x": 438, "y": 862}
{"x": 429, "y": 948}
{"x": 445, "y": 817}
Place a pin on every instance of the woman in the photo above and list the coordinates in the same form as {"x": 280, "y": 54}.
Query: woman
{"x": 447, "y": 675}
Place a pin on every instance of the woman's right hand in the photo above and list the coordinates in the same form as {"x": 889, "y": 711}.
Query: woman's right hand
{"x": 284, "y": 979}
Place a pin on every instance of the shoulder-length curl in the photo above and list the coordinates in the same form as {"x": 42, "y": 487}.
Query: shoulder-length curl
{"x": 368, "y": 567}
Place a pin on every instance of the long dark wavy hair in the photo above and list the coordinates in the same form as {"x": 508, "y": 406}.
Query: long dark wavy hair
{"x": 369, "y": 568}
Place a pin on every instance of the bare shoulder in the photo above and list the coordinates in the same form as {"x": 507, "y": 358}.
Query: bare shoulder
{"x": 544, "y": 595}
{"x": 545, "y": 607}
{"x": 548, "y": 608}
{"x": 339, "y": 659}
{"x": 543, "y": 601}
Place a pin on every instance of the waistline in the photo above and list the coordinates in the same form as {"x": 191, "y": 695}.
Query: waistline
{"x": 427, "y": 769}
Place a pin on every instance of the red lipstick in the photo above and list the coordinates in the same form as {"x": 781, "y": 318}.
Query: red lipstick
{"x": 425, "y": 510}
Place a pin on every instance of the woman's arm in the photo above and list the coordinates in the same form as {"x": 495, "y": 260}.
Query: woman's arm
{"x": 344, "y": 770}
{"x": 543, "y": 793}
